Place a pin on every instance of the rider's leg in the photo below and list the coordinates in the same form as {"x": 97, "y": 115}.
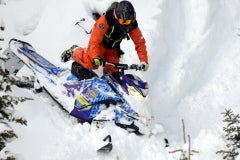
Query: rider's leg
{"x": 111, "y": 56}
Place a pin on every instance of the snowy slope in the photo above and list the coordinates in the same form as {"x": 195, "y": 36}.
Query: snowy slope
{"x": 194, "y": 75}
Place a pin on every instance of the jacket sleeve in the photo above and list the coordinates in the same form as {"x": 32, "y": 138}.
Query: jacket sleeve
{"x": 140, "y": 44}
{"x": 95, "y": 48}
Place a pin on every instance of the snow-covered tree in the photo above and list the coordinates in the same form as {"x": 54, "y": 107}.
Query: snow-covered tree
{"x": 7, "y": 111}
{"x": 232, "y": 135}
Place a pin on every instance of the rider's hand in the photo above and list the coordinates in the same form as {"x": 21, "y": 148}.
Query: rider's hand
{"x": 144, "y": 66}
{"x": 98, "y": 61}
{"x": 67, "y": 54}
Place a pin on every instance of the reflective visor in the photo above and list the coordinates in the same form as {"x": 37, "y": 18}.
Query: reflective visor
{"x": 124, "y": 22}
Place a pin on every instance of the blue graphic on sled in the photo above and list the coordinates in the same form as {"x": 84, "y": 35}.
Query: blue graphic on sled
{"x": 95, "y": 93}
{"x": 30, "y": 53}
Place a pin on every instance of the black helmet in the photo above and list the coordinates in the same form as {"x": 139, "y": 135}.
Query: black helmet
{"x": 124, "y": 10}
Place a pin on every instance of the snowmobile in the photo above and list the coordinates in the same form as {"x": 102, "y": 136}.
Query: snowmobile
{"x": 84, "y": 99}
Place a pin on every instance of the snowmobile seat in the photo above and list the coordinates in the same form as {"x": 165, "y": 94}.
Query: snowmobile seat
{"x": 82, "y": 73}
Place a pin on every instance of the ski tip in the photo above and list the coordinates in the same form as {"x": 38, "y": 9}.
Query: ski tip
{"x": 105, "y": 149}
{"x": 166, "y": 142}
{"x": 108, "y": 147}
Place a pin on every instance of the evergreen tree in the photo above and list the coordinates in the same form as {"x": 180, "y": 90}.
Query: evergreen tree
{"x": 232, "y": 135}
{"x": 7, "y": 111}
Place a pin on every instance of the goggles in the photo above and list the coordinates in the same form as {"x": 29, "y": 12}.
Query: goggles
{"x": 122, "y": 21}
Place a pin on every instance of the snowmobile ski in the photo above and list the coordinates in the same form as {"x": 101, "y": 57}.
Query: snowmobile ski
{"x": 108, "y": 147}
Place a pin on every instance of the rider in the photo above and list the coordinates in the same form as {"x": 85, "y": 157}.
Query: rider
{"x": 109, "y": 30}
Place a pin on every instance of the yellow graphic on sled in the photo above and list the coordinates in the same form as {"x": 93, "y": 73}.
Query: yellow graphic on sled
{"x": 84, "y": 103}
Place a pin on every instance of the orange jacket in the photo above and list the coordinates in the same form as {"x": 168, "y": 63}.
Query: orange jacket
{"x": 100, "y": 28}
{"x": 97, "y": 49}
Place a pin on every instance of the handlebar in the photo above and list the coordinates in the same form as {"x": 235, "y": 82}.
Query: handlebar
{"x": 124, "y": 66}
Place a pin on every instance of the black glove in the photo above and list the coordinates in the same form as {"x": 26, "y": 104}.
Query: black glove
{"x": 67, "y": 54}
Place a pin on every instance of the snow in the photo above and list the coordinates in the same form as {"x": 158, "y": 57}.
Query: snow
{"x": 194, "y": 75}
